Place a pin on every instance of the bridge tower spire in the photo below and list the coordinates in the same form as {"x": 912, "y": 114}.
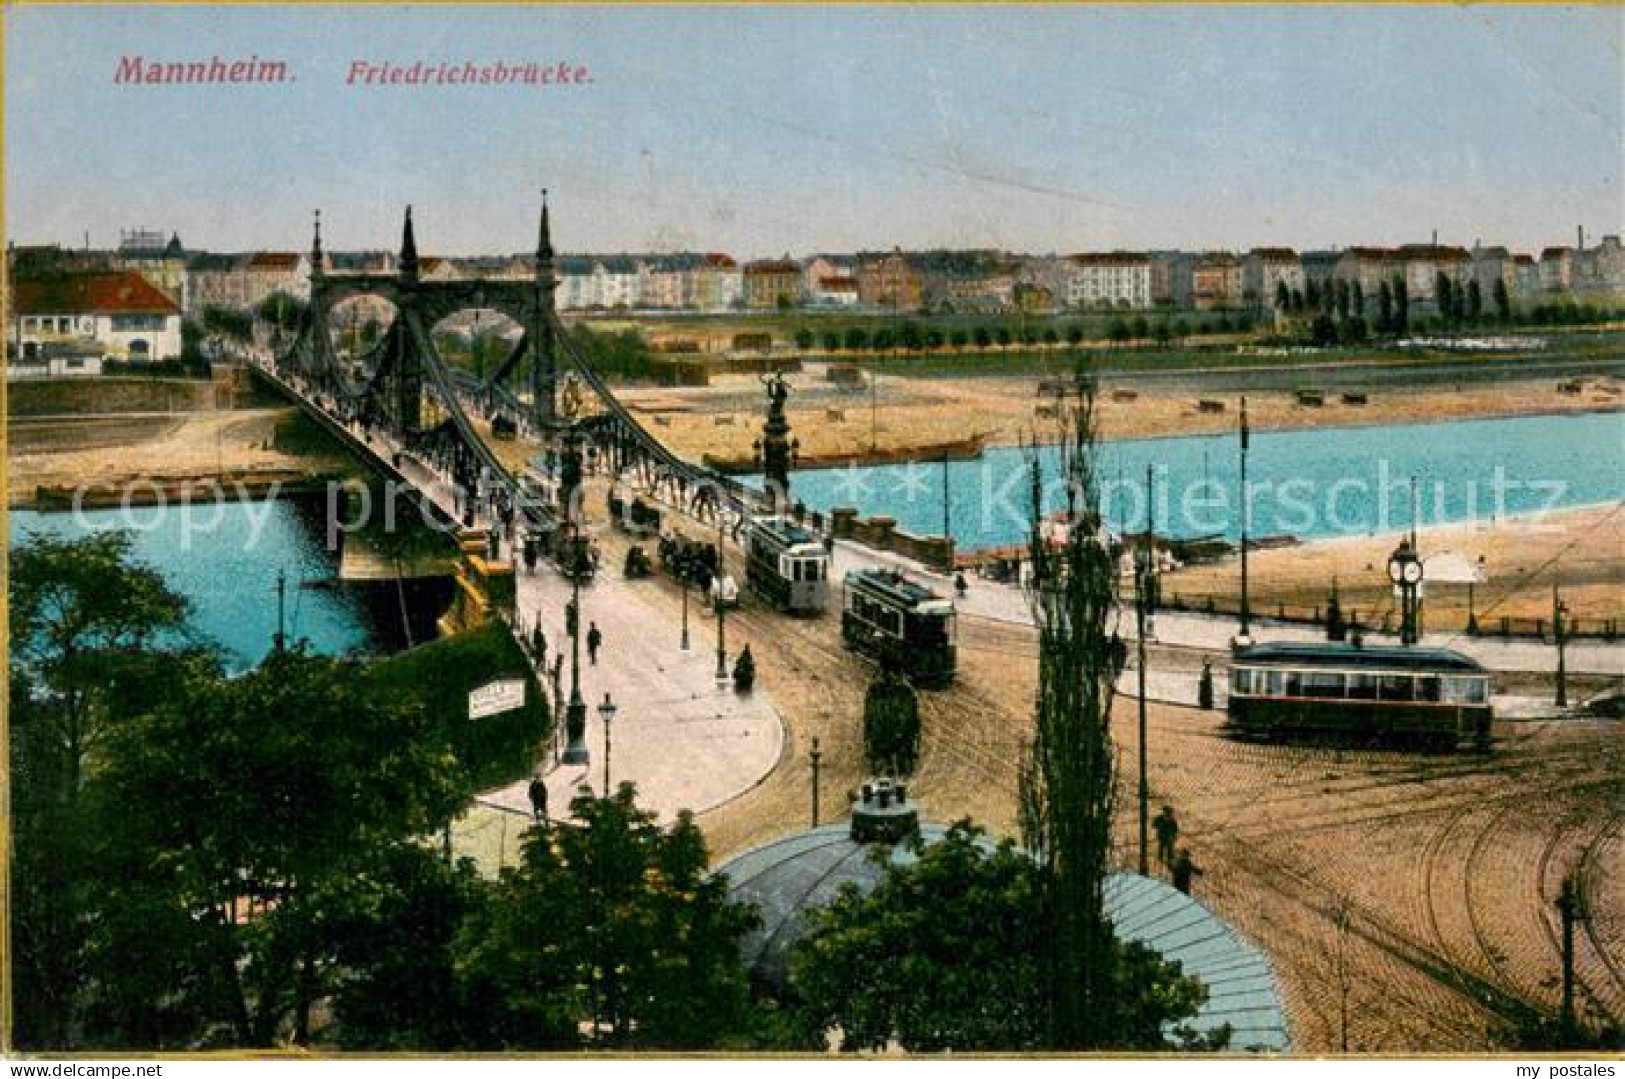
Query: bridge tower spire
{"x": 544, "y": 367}
{"x": 316, "y": 247}
{"x": 409, "y": 250}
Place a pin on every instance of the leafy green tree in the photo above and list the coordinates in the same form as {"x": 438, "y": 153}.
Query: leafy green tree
{"x": 268, "y": 792}
{"x": 609, "y": 933}
{"x": 281, "y": 310}
{"x": 1002, "y": 335}
{"x": 1443, "y": 295}
{"x": 947, "y": 955}
{"x": 804, "y": 339}
{"x": 1475, "y": 301}
{"x": 395, "y": 930}
{"x": 1074, "y": 334}
{"x": 1119, "y": 330}
{"x": 983, "y": 337}
{"x": 1385, "y": 308}
{"x": 1402, "y": 306}
{"x": 958, "y": 338}
{"x": 82, "y": 612}
{"x": 831, "y": 341}
{"x": 856, "y": 337}
{"x": 891, "y": 725}
{"x": 1283, "y": 295}
{"x": 1356, "y": 298}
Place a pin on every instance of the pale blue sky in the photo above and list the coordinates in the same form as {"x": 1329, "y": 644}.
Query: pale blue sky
{"x": 760, "y": 130}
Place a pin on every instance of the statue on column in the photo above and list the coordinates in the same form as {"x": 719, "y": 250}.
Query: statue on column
{"x": 776, "y": 448}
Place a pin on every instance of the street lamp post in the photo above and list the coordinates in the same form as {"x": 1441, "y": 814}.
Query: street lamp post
{"x": 685, "y": 609}
{"x": 817, "y": 756}
{"x": 606, "y": 712}
{"x": 1246, "y": 635}
{"x": 1405, "y": 571}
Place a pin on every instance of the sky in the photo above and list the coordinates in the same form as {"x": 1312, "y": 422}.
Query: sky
{"x": 763, "y": 130}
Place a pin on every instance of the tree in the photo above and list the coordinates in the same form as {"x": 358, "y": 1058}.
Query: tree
{"x": 831, "y": 341}
{"x": 273, "y": 791}
{"x": 281, "y": 310}
{"x": 609, "y": 932}
{"x": 1503, "y": 302}
{"x": 1402, "y": 306}
{"x": 1118, "y": 330}
{"x": 83, "y": 611}
{"x": 1283, "y": 296}
{"x": 891, "y": 725}
{"x": 1311, "y": 294}
{"x": 982, "y": 336}
{"x": 1475, "y": 301}
{"x": 1443, "y": 295}
{"x": 1067, "y": 779}
{"x": 1074, "y": 334}
{"x": 1385, "y": 308}
{"x": 395, "y": 931}
{"x": 1357, "y": 297}
{"x": 1342, "y": 299}
{"x": 856, "y": 337}
{"x": 947, "y": 954}
{"x": 958, "y": 338}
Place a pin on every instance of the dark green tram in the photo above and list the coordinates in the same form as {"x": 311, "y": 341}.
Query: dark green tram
{"x": 900, "y": 625}
{"x": 1429, "y": 695}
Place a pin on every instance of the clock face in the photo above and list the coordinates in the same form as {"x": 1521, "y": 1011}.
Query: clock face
{"x": 1413, "y": 572}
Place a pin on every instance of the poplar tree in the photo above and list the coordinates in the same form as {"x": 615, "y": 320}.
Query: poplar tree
{"x": 1067, "y": 780}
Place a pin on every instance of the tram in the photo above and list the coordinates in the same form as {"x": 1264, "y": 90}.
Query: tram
{"x": 1429, "y": 695}
{"x": 787, "y": 565}
{"x": 899, "y": 624}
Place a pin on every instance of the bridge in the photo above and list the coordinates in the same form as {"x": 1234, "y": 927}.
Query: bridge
{"x": 431, "y": 429}
{"x": 403, "y": 392}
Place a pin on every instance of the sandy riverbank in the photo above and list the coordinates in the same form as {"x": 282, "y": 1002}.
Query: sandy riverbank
{"x": 107, "y": 452}
{"x": 724, "y": 418}
{"x": 1582, "y": 550}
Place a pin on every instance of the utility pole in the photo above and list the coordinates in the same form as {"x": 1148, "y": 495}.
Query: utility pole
{"x": 1571, "y": 908}
{"x": 874, "y": 411}
{"x": 721, "y": 610}
{"x": 1142, "y": 574}
{"x": 575, "y": 716}
{"x": 816, "y": 757}
{"x": 1245, "y": 637}
{"x": 1559, "y": 635}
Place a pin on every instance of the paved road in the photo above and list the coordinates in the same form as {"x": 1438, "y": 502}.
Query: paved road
{"x": 685, "y": 741}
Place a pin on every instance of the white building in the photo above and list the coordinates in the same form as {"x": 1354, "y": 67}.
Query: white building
{"x": 120, "y": 313}
{"x": 588, "y": 283}
{"x": 1108, "y": 279}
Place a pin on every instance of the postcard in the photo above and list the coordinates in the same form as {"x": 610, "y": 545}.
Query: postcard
{"x": 767, "y": 529}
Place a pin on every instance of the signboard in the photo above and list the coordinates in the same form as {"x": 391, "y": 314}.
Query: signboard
{"x": 494, "y": 698}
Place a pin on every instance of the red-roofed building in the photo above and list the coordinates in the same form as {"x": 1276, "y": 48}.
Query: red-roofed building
{"x": 117, "y": 315}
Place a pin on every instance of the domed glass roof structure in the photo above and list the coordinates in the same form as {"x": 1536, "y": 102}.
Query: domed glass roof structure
{"x": 790, "y": 876}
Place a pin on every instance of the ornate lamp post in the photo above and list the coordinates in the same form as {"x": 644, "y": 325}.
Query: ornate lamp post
{"x": 606, "y": 712}
{"x": 1405, "y": 570}
{"x": 575, "y": 716}
{"x": 685, "y": 609}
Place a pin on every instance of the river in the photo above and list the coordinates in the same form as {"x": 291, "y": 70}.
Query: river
{"x": 226, "y": 559}
{"x": 1309, "y": 483}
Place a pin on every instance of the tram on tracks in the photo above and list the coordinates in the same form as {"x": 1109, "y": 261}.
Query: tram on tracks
{"x": 787, "y": 565}
{"x": 1433, "y": 696}
{"x": 899, "y": 624}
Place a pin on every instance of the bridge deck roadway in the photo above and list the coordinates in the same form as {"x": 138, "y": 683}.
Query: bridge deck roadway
{"x": 685, "y": 741}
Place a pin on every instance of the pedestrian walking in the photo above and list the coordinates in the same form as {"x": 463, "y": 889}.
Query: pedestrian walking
{"x": 1119, "y": 655}
{"x": 538, "y": 798}
{"x": 1167, "y": 829}
{"x": 594, "y": 640}
{"x": 538, "y": 643}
